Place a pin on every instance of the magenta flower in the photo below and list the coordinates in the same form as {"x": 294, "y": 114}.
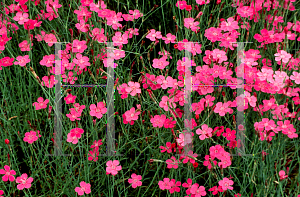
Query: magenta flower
{"x": 181, "y": 4}
{"x": 79, "y": 46}
{"x": 197, "y": 190}
{"x": 1, "y": 193}
{"x": 165, "y": 184}
{"x": 226, "y": 184}
{"x": 30, "y": 137}
{"x": 172, "y": 163}
{"x": 84, "y": 188}
{"x": 76, "y": 132}
{"x": 48, "y": 81}
{"x": 282, "y": 175}
{"x": 41, "y": 104}
{"x": 8, "y": 174}
{"x": 158, "y": 121}
{"x": 230, "y": 25}
{"x": 113, "y": 167}
{"x": 70, "y": 99}
{"x": 135, "y": 180}
{"x": 23, "y": 181}
{"x": 96, "y": 144}
{"x": 99, "y": 110}
{"x": 48, "y": 60}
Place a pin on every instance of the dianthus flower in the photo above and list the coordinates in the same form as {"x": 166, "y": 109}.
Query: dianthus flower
{"x": 8, "y": 174}
{"x": 84, "y": 188}
{"x": 113, "y": 167}
{"x": 158, "y": 120}
{"x": 41, "y": 104}
{"x": 154, "y": 34}
{"x": 30, "y": 137}
{"x": 226, "y": 184}
{"x": 135, "y": 180}
{"x": 99, "y": 110}
{"x": 24, "y": 181}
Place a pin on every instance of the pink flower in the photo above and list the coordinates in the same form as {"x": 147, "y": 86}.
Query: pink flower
{"x": 41, "y": 103}
{"x": 185, "y": 138}
{"x": 172, "y": 163}
{"x": 99, "y": 110}
{"x": 93, "y": 155}
{"x": 30, "y": 137}
{"x": 70, "y": 99}
{"x": 76, "y": 132}
{"x": 216, "y": 189}
{"x": 8, "y": 174}
{"x": 48, "y": 81}
{"x": 282, "y": 55}
{"x": 202, "y": 2}
{"x": 132, "y": 114}
{"x": 222, "y": 109}
{"x": 282, "y": 175}
{"x": 113, "y": 167}
{"x": 197, "y": 190}
{"x": 226, "y": 184}
{"x": 1, "y": 193}
{"x": 181, "y": 4}
{"x": 189, "y": 23}
{"x": 84, "y": 188}
{"x": 160, "y": 63}
{"x": 22, "y": 60}
{"x": 158, "y": 120}
{"x": 48, "y": 60}
{"x": 169, "y": 38}
{"x": 230, "y": 25}
{"x": 23, "y": 181}
{"x": 21, "y": 18}
{"x": 24, "y": 46}
{"x": 219, "y": 55}
{"x": 82, "y": 61}
{"x": 165, "y": 184}
{"x": 154, "y": 34}
{"x": 50, "y": 39}
{"x": 295, "y": 77}
{"x": 79, "y": 46}
{"x": 175, "y": 186}
{"x": 96, "y": 144}
{"x": 206, "y": 132}
{"x": 133, "y": 88}
{"x": 120, "y": 39}
{"x": 167, "y": 103}
{"x": 135, "y": 180}
{"x": 213, "y": 34}
{"x": 72, "y": 139}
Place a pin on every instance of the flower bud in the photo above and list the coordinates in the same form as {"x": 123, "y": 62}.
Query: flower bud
{"x": 6, "y": 141}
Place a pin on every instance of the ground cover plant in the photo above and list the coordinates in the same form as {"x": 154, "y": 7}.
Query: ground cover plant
{"x": 183, "y": 74}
